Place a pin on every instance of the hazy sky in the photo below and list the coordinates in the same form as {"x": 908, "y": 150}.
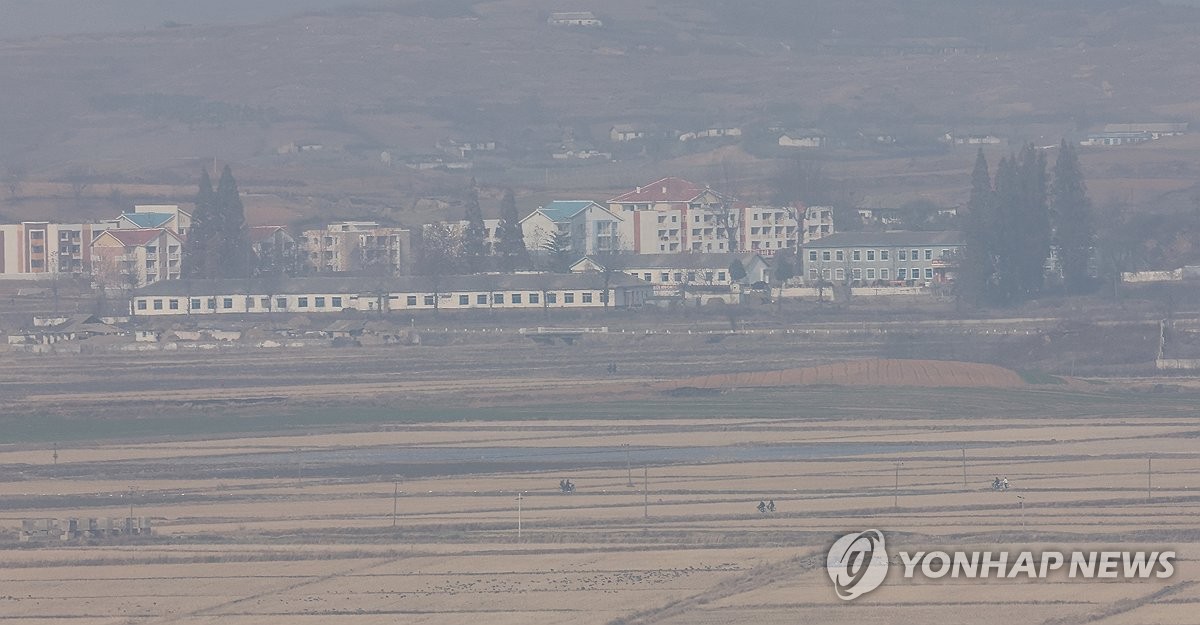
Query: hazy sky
{"x": 31, "y": 18}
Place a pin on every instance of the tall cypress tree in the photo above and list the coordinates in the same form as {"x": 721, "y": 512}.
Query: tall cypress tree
{"x": 199, "y": 250}
{"x": 1032, "y": 214}
{"x": 475, "y": 234}
{"x": 233, "y": 239}
{"x": 1072, "y": 216}
{"x": 978, "y": 270}
{"x": 1006, "y": 279}
{"x": 512, "y": 252}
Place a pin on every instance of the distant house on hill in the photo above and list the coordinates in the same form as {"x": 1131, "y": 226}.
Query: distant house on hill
{"x": 1156, "y": 130}
{"x": 626, "y": 132}
{"x": 802, "y": 139}
{"x": 576, "y": 18}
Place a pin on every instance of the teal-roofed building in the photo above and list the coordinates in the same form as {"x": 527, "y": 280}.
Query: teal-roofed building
{"x": 593, "y": 228}
{"x": 165, "y": 216}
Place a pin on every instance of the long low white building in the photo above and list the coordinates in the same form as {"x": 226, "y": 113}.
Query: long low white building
{"x": 527, "y": 291}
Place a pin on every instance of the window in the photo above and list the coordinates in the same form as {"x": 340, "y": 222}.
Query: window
{"x": 916, "y": 273}
{"x": 174, "y": 304}
{"x": 812, "y": 255}
{"x": 884, "y": 273}
{"x": 604, "y": 297}
{"x": 841, "y": 255}
{"x": 870, "y": 273}
{"x": 429, "y": 300}
{"x": 337, "y": 302}
{"x": 411, "y": 300}
{"x": 883, "y": 254}
{"x": 516, "y": 298}
{"x": 552, "y": 298}
{"x": 36, "y": 264}
{"x": 825, "y": 255}
{"x": 691, "y": 276}
{"x": 320, "y": 302}
{"x": 903, "y": 254}
{"x": 265, "y": 302}
{"x": 227, "y": 303}
{"x": 945, "y": 253}
{"x": 212, "y": 303}
{"x": 708, "y": 276}
{"x": 464, "y": 300}
{"x": 533, "y": 298}
{"x": 902, "y": 273}
{"x": 38, "y": 249}
{"x": 841, "y": 274}
{"x": 587, "y": 297}
{"x": 825, "y": 274}
{"x": 158, "y": 304}
{"x": 195, "y": 303}
{"x": 497, "y": 298}
{"x": 249, "y": 303}
{"x": 481, "y": 299}
{"x": 141, "y": 304}
{"x": 856, "y": 255}
{"x": 928, "y": 273}
{"x": 302, "y": 302}
{"x": 679, "y": 276}
{"x": 721, "y": 276}
{"x": 568, "y": 298}
{"x": 870, "y": 254}
{"x": 812, "y": 274}
{"x": 36, "y": 235}
{"x": 647, "y": 277}
{"x": 857, "y": 273}
{"x": 664, "y": 277}
{"x": 281, "y": 302}
{"x": 928, "y": 254}
{"x": 915, "y": 255}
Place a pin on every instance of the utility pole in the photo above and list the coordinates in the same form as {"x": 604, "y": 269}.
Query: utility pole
{"x": 395, "y": 497}
{"x": 628, "y": 466}
{"x": 1149, "y": 473}
{"x": 518, "y": 516}
{"x": 964, "y": 463}
{"x": 896, "y": 492}
{"x": 645, "y": 492}
{"x": 55, "y": 455}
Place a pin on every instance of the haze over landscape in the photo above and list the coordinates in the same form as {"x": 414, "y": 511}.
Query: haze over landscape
{"x": 597, "y": 313}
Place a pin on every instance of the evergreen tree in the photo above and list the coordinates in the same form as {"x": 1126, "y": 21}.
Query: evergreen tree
{"x": 1004, "y": 284}
{"x": 737, "y": 272}
{"x": 1032, "y": 226}
{"x": 200, "y": 250}
{"x": 1073, "y": 225}
{"x": 981, "y": 227}
{"x": 558, "y": 248}
{"x": 474, "y": 235}
{"x": 511, "y": 245}
{"x": 232, "y": 237}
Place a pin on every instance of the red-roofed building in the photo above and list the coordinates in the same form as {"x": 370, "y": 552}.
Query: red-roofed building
{"x": 136, "y": 257}
{"x": 674, "y": 215}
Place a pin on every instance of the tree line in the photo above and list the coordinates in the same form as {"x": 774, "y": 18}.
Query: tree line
{"x": 1015, "y": 219}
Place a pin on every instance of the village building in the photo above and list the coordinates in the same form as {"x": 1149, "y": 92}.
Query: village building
{"x": 126, "y": 258}
{"x": 767, "y": 230}
{"x": 36, "y": 248}
{"x": 673, "y": 215}
{"x": 670, "y": 274}
{"x": 818, "y": 223}
{"x": 802, "y": 139}
{"x": 593, "y": 229}
{"x": 525, "y": 291}
{"x": 575, "y": 18}
{"x": 358, "y": 246}
{"x": 896, "y": 258}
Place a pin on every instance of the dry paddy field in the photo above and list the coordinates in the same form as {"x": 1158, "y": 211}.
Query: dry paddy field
{"x": 417, "y": 521}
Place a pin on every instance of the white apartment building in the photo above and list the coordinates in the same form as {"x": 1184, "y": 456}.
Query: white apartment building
{"x": 34, "y": 248}
{"x": 133, "y": 258}
{"x": 593, "y": 229}
{"x": 673, "y": 215}
{"x": 766, "y": 230}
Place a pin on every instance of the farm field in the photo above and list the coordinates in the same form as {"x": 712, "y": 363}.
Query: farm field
{"x": 401, "y": 512}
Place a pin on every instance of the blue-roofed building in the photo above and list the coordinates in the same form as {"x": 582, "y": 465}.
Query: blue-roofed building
{"x": 165, "y": 216}
{"x": 593, "y": 228}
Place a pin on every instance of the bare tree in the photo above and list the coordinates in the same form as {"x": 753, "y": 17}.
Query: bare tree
{"x": 14, "y": 178}
{"x": 80, "y": 178}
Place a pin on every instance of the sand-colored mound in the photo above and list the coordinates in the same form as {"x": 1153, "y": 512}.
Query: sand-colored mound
{"x": 922, "y": 373}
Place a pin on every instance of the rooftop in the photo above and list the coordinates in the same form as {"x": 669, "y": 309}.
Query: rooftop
{"x": 669, "y": 189}
{"x": 147, "y": 220}
{"x": 563, "y": 210}
{"x": 895, "y": 238}
{"x": 363, "y": 285}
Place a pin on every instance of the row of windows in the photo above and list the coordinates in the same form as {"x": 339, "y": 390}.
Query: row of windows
{"x": 870, "y": 255}
{"x": 666, "y": 276}
{"x": 483, "y": 299}
{"x": 336, "y": 302}
{"x": 870, "y": 274}
{"x": 251, "y": 303}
